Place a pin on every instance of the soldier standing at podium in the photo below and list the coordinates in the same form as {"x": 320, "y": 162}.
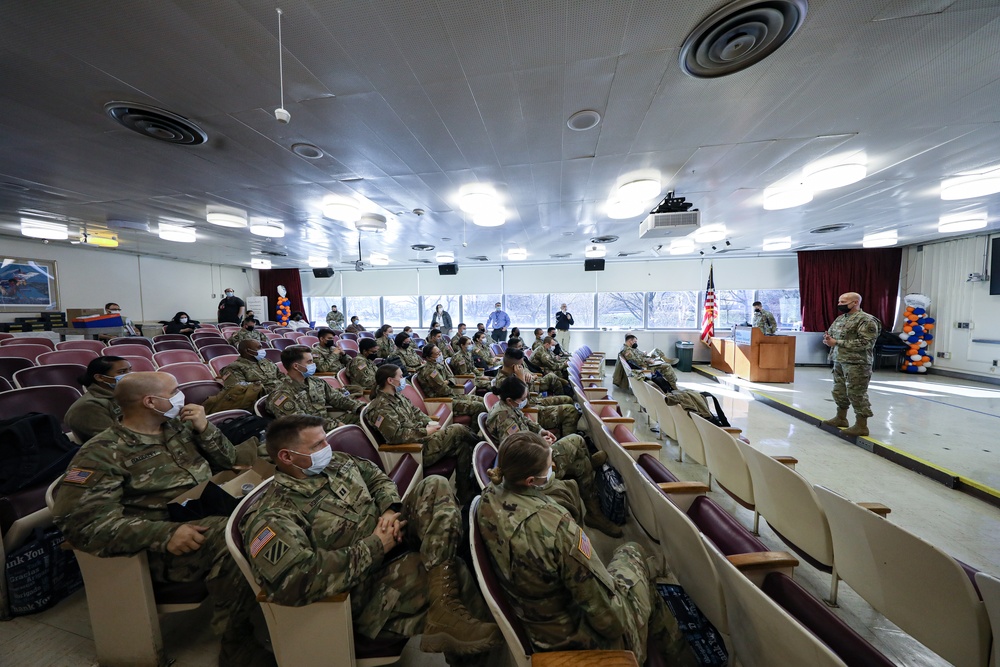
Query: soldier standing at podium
{"x": 764, "y": 320}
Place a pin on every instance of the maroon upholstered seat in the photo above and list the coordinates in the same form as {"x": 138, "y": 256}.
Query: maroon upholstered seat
{"x": 718, "y": 525}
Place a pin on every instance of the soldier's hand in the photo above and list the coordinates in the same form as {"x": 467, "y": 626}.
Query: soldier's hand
{"x": 433, "y": 428}
{"x": 187, "y": 538}
{"x": 386, "y": 534}
{"x": 390, "y": 521}
{"x": 549, "y": 436}
{"x": 829, "y": 340}
{"x": 196, "y": 415}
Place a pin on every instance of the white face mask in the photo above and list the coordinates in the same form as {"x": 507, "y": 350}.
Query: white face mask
{"x": 521, "y": 405}
{"x": 184, "y": 320}
{"x": 261, "y": 354}
{"x": 115, "y": 311}
{"x": 548, "y": 478}
{"x": 176, "y": 403}
{"x": 320, "y": 460}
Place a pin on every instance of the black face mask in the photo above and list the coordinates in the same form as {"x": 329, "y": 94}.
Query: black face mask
{"x": 249, "y": 328}
{"x": 328, "y": 343}
{"x": 405, "y": 345}
{"x": 843, "y": 307}
{"x": 757, "y": 310}
{"x": 371, "y": 355}
{"x": 635, "y": 346}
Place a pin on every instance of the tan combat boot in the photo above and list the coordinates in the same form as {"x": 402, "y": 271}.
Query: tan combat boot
{"x": 860, "y": 427}
{"x": 597, "y": 460}
{"x": 595, "y": 518}
{"x": 449, "y": 627}
{"x": 840, "y": 421}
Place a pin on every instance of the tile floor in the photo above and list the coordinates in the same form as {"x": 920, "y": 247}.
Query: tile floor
{"x": 964, "y": 413}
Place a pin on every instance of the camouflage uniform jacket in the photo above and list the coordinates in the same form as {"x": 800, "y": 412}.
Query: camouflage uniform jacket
{"x": 412, "y": 360}
{"x": 856, "y": 334}
{"x": 113, "y": 500}
{"x": 95, "y": 411}
{"x": 504, "y": 420}
{"x": 537, "y": 344}
{"x": 335, "y": 320}
{"x": 361, "y": 372}
{"x": 329, "y": 359}
{"x": 437, "y": 381}
{"x": 482, "y": 355}
{"x": 398, "y": 420}
{"x": 386, "y": 347}
{"x": 313, "y": 397}
{"x": 251, "y": 370}
{"x": 557, "y": 583}
{"x": 764, "y": 321}
{"x": 462, "y": 364}
{"x": 634, "y": 356}
{"x": 244, "y": 334}
{"x": 308, "y": 539}
{"x": 547, "y": 362}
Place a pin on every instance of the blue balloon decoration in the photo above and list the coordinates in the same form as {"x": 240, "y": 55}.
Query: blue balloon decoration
{"x": 914, "y": 339}
{"x": 919, "y": 311}
{"x": 929, "y": 320}
{"x": 922, "y": 320}
{"x": 911, "y": 369}
{"x": 928, "y": 337}
{"x": 917, "y": 330}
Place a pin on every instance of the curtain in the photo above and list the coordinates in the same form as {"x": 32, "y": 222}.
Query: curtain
{"x": 826, "y": 274}
{"x": 290, "y": 278}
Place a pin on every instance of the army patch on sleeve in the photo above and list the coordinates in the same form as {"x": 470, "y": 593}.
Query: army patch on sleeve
{"x": 378, "y": 422}
{"x": 434, "y": 374}
{"x": 584, "y": 545}
{"x": 362, "y": 365}
{"x": 281, "y": 399}
{"x": 275, "y": 551}
{"x": 512, "y": 429}
{"x": 261, "y": 540}
{"x": 78, "y": 475}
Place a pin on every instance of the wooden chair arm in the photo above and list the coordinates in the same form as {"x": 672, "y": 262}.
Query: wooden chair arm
{"x": 438, "y": 400}
{"x": 763, "y": 560}
{"x": 325, "y": 374}
{"x": 584, "y": 659}
{"x": 683, "y": 487}
{"x": 603, "y": 401}
{"x": 618, "y": 420}
{"x": 465, "y": 377}
{"x": 405, "y": 448}
{"x": 732, "y": 430}
{"x": 530, "y": 410}
{"x": 641, "y": 446}
{"x": 876, "y": 508}
{"x": 789, "y": 461}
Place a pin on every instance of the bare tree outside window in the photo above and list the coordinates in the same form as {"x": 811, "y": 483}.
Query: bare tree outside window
{"x": 401, "y": 311}
{"x": 579, "y": 304}
{"x": 673, "y": 310}
{"x": 784, "y": 304}
{"x": 528, "y": 310}
{"x": 449, "y": 302}
{"x": 476, "y": 308}
{"x": 316, "y": 308}
{"x": 620, "y": 310}
{"x": 735, "y": 307}
{"x": 367, "y": 310}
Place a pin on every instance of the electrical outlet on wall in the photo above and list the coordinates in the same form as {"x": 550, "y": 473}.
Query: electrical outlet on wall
{"x": 963, "y": 325}
{"x": 944, "y": 355}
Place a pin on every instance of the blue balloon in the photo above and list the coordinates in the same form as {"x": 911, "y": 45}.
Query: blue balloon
{"x": 911, "y": 369}
{"x": 922, "y": 320}
{"x": 928, "y": 337}
{"x": 928, "y": 320}
{"x": 914, "y": 338}
{"x": 919, "y": 311}
{"x": 918, "y": 330}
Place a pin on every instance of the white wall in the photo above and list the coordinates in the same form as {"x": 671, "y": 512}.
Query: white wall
{"x": 939, "y": 270}
{"x": 147, "y": 288}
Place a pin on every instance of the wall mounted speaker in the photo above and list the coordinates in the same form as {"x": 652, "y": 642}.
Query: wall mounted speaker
{"x": 995, "y": 268}
{"x": 447, "y": 269}
{"x": 593, "y": 264}
{"x": 323, "y": 273}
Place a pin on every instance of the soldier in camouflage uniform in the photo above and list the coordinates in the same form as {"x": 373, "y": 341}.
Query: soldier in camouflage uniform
{"x": 482, "y": 355}
{"x": 251, "y": 367}
{"x": 763, "y": 319}
{"x": 248, "y": 332}
{"x": 97, "y": 409}
{"x": 851, "y": 339}
{"x": 361, "y": 370}
{"x": 406, "y": 351}
{"x": 539, "y": 337}
{"x": 384, "y": 339}
{"x": 325, "y": 526}
{"x": 462, "y": 363}
{"x": 400, "y": 422}
{"x": 569, "y": 452}
{"x": 300, "y": 393}
{"x": 328, "y": 357}
{"x": 553, "y": 385}
{"x": 459, "y": 332}
{"x": 561, "y": 591}
{"x": 335, "y": 319}
{"x": 113, "y": 499}
{"x": 546, "y": 359}
{"x": 437, "y": 381}
{"x": 639, "y": 361}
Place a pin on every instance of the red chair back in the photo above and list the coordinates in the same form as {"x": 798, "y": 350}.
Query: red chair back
{"x": 5, "y": 385}
{"x": 218, "y": 363}
{"x": 282, "y": 343}
{"x": 83, "y": 357}
{"x": 165, "y": 337}
{"x": 163, "y": 346}
{"x": 199, "y": 392}
{"x": 294, "y": 335}
{"x": 210, "y": 352}
{"x": 202, "y": 333}
{"x": 176, "y": 357}
{"x": 67, "y": 375}
{"x": 307, "y": 340}
{"x": 131, "y": 350}
{"x": 50, "y": 399}
{"x": 29, "y": 340}
{"x": 132, "y": 340}
{"x": 491, "y": 399}
{"x": 348, "y": 345}
{"x": 205, "y": 341}
{"x": 188, "y": 372}
{"x": 352, "y": 440}
{"x": 273, "y": 355}
{"x": 11, "y": 365}
{"x": 4, "y": 335}
{"x": 24, "y": 351}
{"x": 349, "y": 336}
{"x": 141, "y": 364}
{"x": 93, "y": 345}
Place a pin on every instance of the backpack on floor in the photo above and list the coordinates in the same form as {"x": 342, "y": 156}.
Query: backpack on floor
{"x": 240, "y": 429}
{"x": 611, "y": 491}
{"x": 704, "y": 640}
{"x": 33, "y": 449}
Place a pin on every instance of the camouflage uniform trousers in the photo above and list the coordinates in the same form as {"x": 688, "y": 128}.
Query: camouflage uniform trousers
{"x": 572, "y": 461}
{"x": 433, "y": 530}
{"x": 468, "y": 404}
{"x": 456, "y": 440}
{"x": 563, "y": 417}
{"x": 850, "y": 387}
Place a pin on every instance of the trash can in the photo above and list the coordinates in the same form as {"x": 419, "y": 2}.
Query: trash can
{"x": 685, "y": 354}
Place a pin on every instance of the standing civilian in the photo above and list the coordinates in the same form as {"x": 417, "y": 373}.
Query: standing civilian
{"x": 564, "y": 319}
{"x": 231, "y": 308}
{"x": 498, "y": 321}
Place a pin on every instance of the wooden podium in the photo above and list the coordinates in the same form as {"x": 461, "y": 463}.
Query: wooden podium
{"x": 751, "y": 355}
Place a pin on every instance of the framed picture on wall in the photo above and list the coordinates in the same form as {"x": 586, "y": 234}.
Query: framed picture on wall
{"x": 28, "y": 285}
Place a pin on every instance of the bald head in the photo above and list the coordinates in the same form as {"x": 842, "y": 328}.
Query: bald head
{"x": 248, "y": 348}
{"x": 850, "y": 296}
{"x": 852, "y": 301}
{"x": 133, "y": 387}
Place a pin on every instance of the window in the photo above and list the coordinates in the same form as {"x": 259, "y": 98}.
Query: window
{"x": 449, "y": 303}
{"x": 528, "y": 311}
{"x": 784, "y": 305}
{"x": 316, "y": 308}
{"x": 735, "y": 307}
{"x": 620, "y": 310}
{"x": 366, "y": 308}
{"x": 401, "y": 311}
{"x": 579, "y": 304}
{"x": 674, "y": 310}
{"x": 476, "y": 308}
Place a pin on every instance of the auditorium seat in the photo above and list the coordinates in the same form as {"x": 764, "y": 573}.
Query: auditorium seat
{"x": 688, "y": 439}
{"x": 392, "y": 453}
{"x": 348, "y": 345}
{"x": 131, "y": 349}
{"x": 308, "y": 341}
{"x": 726, "y": 465}
{"x": 176, "y": 357}
{"x": 352, "y": 440}
{"x": 177, "y": 337}
{"x": 82, "y": 357}
{"x": 282, "y": 343}
{"x": 481, "y": 418}
{"x": 260, "y": 408}
{"x": 366, "y": 334}
{"x": 93, "y": 345}
{"x": 347, "y": 335}
{"x": 205, "y": 341}
{"x": 429, "y": 402}
{"x": 484, "y": 457}
{"x": 52, "y": 400}
{"x": 172, "y": 345}
{"x": 29, "y": 340}
{"x": 200, "y": 391}
{"x": 294, "y": 335}
{"x": 189, "y": 372}
{"x": 273, "y": 355}
{"x": 51, "y": 374}
{"x": 133, "y": 340}
{"x": 201, "y": 334}
{"x": 140, "y": 364}
{"x": 11, "y": 365}
{"x": 218, "y": 363}
{"x": 4, "y": 384}
{"x": 664, "y": 418}
{"x": 218, "y": 418}
{"x": 209, "y": 352}
{"x": 24, "y": 351}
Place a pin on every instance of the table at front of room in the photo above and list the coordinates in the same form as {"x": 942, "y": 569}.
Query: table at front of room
{"x": 86, "y": 333}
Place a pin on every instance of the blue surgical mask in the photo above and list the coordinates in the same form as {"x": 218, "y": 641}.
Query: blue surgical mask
{"x": 261, "y": 354}
{"x": 402, "y": 386}
{"x": 468, "y": 348}
{"x": 310, "y": 370}
{"x": 320, "y": 460}
{"x": 113, "y": 382}
{"x": 522, "y": 404}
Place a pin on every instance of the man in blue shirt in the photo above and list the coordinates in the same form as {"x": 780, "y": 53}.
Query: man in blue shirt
{"x": 498, "y": 321}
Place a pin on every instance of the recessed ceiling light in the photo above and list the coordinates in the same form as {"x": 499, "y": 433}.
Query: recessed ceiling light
{"x": 477, "y": 198}
{"x": 269, "y": 228}
{"x": 308, "y": 151}
{"x": 338, "y": 209}
{"x": 226, "y": 219}
{"x": 317, "y": 262}
{"x": 177, "y": 233}
{"x": 681, "y": 246}
{"x": 780, "y": 243}
{"x": 583, "y": 120}
{"x": 422, "y": 247}
{"x": 961, "y": 222}
{"x": 710, "y": 233}
{"x": 967, "y": 187}
{"x": 826, "y": 176}
{"x": 622, "y": 210}
{"x": 39, "y": 229}
{"x": 568, "y": 233}
{"x": 517, "y": 254}
{"x": 880, "y": 239}
{"x": 639, "y": 191}
{"x": 445, "y": 257}
{"x": 777, "y": 197}
{"x": 596, "y": 250}
{"x": 378, "y": 259}
{"x": 490, "y": 217}
{"x": 370, "y": 222}
{"x": 607, "y": 238}
{"x": 256, "y": 263}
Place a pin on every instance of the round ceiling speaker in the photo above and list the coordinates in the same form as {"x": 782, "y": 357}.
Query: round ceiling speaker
{"x": 583, "y": 120}
{"x": 156, "y": 123}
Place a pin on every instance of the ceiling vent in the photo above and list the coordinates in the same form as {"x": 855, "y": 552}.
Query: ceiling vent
{"x": 811, "y": 246}
{"x": 739, "y": 35}
{"x": 604, "y": 239}
{"x": 664, "y": 225}
{"x": 561, "y": 255}
{"x": 423, "y": 261}
{"x": 422, "y": 247}
{"x": 479, "y": 258}
{"x": 629, "y": 254}
{"x": 829, "y": 229}
{"x": 156, "y": 123}
{"x": 273, "y": 253}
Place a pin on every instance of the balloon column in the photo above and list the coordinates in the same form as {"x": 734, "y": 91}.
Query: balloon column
{"x": 918, "y": 328}
{"x": 283, "y": 311}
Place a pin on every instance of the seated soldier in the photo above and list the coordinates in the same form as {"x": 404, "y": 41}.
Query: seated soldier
{"x": 538, "y": 338}
{"x": 437, "y": 381}
{"x": 406, "y": 350}
{"x": 586, "y": 605}
{"x": 551, "y": 386}
{"x": 252, "y": 366}
{"x": 361, "y": 370}
{"x": 386, "y": 342}
{"x": 400, "y": 422}
{"x": 547, "y": 361}
{"x": 326, "y": 524}
{"x": 482, "y": 355}
{"x": 459, "y": 332}
{"x": 558, "y": 350}
{"x": 638, "y": 361}
{"x": 569, "y": 452}
{"x": 113, "y": 501}
{"x": 300, "y": 393}
{"x": 462, "y": 363}
{"x": 97, "y": 409}
{"x": 328, "y": 357}
{"x": 248, "y": 332}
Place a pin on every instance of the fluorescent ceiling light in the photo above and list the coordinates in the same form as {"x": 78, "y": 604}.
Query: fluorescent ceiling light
{"x": 370, "y": 222}
{"x": 345, "y": 211}
{"x": 101, "y": 241}
{"x": 596, "y": 250}
{"x": 477, "y": 199}
{"x": 780, "y": 243}
{"x": 256, "y": 263}
{"x": 226, "y": 219}
{"x": 777, "y": 197}
{"x": 177, "y": 233}
{"x": 445, "y": 257}
{"x": 681, "y": 246}
{"x": 319, "y": 262}
{"x": 710, "y": 233}
{"x": 517, "y": 254}
{"x": 967, "y": 187}
{"x": 820, "y": 177}
{"x": 378, "y": 259}
{"x": 621, "y": 210}
{"x": 493, "y": 217}
{"x": 880, "y": 240}
{"x": 39, "y": 229}
{"x": 639, "y": 191}
{"x": 961, "y": 222}
{"x": 274, "y": 230}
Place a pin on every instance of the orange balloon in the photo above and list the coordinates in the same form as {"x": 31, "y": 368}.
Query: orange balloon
{"x": 909, "y": 309}
{"x": 928, "y": 327}
{"x": 907, "y": 328}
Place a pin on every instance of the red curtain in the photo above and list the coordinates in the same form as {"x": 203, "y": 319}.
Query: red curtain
{"x": 269, "y": 281}
{"x": 826, "y": 274}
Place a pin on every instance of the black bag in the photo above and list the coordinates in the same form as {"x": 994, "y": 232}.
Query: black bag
{"x": 719, "y": 418}
{"x": 41, "y": 573}
{"x": 240, "y": 429}
{"x": 661, "y": 382}
{"x": 395, "y": 360}
{"x": 611, "y": 490}
{"x": 33, "y": 450}
{"x": 701, "y": 635}
{"x": 214, "y": 501}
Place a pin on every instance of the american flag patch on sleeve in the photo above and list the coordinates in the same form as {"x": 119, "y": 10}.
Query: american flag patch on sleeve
{"x": 584, "y": 545}
{"x": 78, "y": 475}
{"x": 258, "y": 543}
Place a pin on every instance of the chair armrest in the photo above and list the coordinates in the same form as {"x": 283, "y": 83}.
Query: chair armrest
{"x": 640, "y": 446}
{"x": 618, "y": 420}
{"x": 876, "y": 508}
{"x": 465, "y": 377}
{"x": 584, "y": 659}
{"x": 604, "y": 401}
{"x": 438, "y": 400}
{"x": 763, "y": 560}
{"x": 696, "y": 488}
{"x": 789, "y": 461}
{"x": 732, "y": 430}
{"x": 530, "y": 410}
{"x": 406, "y": 448}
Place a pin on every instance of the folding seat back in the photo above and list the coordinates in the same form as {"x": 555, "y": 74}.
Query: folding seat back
{"x": 349, "y": 335}
{"x": 491, "y": 399}
{"x": 55, "y": 374}
{"x": 25, "y": 351}
{"x": 260, "y": 408}
{"x": 220, "y": 417}
{"x": 210, "y": 352}
{"x": 201, "y": 334}
{"x": 273, "y": 355}
{"x": 140, "y": 364}
{"x": 989, "y": 588}
{"x": 209, "y": 339}
{"x": 50, "y": 399}
{"x": 5, "y": 385}
{"x": 725, "y": 462}
{"x": 487, "y": 436}
{"x": 348, "y": 345}
{"x": 688, "y": 438}
{"x": 11, "y": 365}
{"x": 294, "y": 335}
{"x": 282, "y": 343}
{"x": 176, "y": 357}
{"x": 188, "y": 372}
{"x": 658, "y": 411}
{"x": 163, "y": 346}
{"x": 270, "y": 335}
{"x": 914, "y": 584}
{"x": 130, "y": 349}
{"x": 29, "y": 340}
{"x": 484, "y": 457}
{"x": 81, "y": 357}
{"x": 199, "y": 391}
{"x": 165, "y": 337}
{"x": 308, "y": 340}
{"x": 93, "y": 345}
{"x": 133, "y": 340}
{"x": 352, "y": 440}
{"x": 439, "y": 411}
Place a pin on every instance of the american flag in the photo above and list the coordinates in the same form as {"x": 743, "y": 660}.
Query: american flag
{"x": 711, "y": 311}
{"x": 263, "y": 537}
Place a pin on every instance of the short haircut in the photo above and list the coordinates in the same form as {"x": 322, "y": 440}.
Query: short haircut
{"x": 513, "y": 341}
{"x": 293, "y": 354}
{"x": 325, "y": 332}
{"x": 283, "y": 432}
{"x": 108, "y": 305}
{"x": 522, "y": 455}
{"x": 463, "y": 341}
{"x": 548, "y": 339}
{"x": 478, "y": 336}
{"x": 756, "y": 303}
{"x": 433, "y": 332}
{"x": 246, "y": 344}
{"x": 366, "y": 344}
{"x": 461, "y": 324}
{"x": 550, "y": 329}
{"x": 512, "y": 387}
{"x": 538, "y": 331}
{"x": 513, "y": 354}
{"x": 384, "y": 373}
{"x": 428, "y": 350}
{"x": 249, "y": 319}
{"x": 629, "y": 337}
{"x": 400, "y": 337}
{"x": 98, "y": 366}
